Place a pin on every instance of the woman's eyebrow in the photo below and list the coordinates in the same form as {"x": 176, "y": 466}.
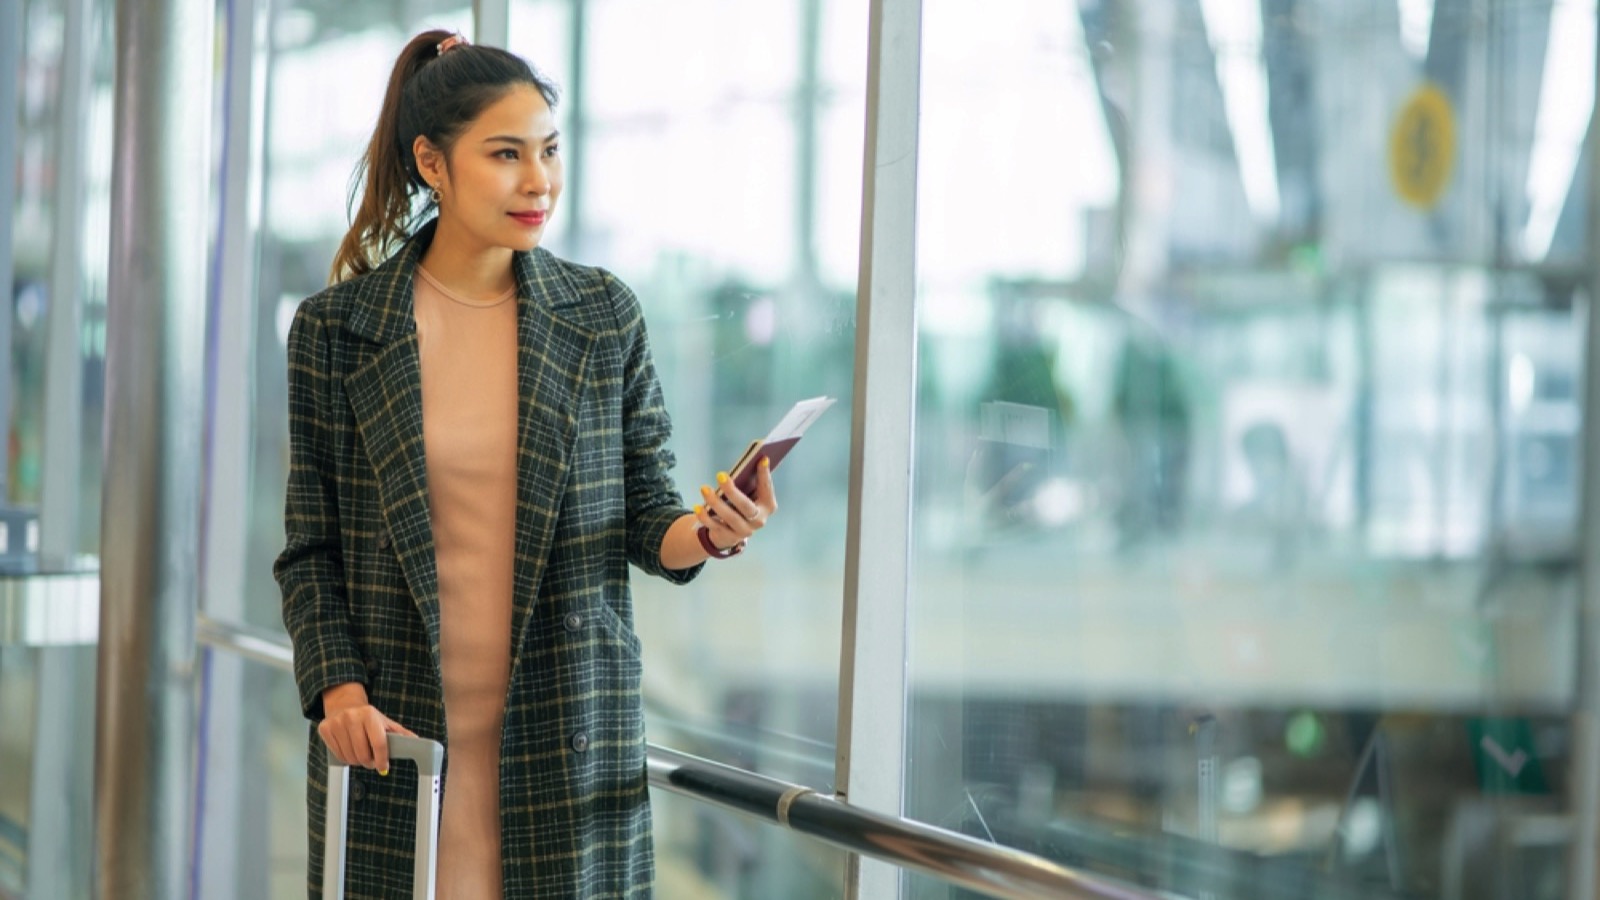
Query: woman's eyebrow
{"x": 520, "y": 142}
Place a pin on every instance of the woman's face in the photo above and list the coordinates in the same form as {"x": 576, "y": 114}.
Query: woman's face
{"x": 504, "y": 176}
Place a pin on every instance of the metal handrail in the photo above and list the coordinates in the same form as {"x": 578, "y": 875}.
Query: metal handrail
{"x": 947, "y": 855}
{"x": 255, "y": 643}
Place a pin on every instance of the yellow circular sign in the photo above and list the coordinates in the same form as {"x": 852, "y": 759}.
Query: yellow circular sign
{"x": 1422, "y": 147}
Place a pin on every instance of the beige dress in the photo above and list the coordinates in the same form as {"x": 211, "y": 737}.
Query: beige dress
{"x": 468, "y": 353}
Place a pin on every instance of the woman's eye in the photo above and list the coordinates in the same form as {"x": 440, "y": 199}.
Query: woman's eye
{"x": 507, "y": 153}
{"x": 552, "y": 150}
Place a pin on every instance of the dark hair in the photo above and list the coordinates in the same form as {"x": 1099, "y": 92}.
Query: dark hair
{"x": 436, "y": 95}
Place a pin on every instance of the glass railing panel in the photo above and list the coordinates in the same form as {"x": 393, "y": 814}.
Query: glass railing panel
{"x": 46, "y": 771}
{"x": 703, "y": 853}
{"x": 251, "y": 819}
{"x": 18, "y": 694}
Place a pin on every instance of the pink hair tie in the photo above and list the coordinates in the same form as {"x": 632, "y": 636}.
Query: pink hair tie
{"x": 450, "y": 43}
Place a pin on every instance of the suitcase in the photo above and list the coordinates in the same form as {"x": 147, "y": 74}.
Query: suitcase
{"x": 429, "y": 757}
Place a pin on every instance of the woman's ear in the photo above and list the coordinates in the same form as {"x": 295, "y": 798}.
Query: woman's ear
{"x": 430, "y": 161}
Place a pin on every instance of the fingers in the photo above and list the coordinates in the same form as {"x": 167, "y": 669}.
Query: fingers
{"x": 729, "y": 515}
{"x": 376, "y": 741}
{"x": 357, "y": 736}
{"x": 722, "y": 535}
{"x": 394, "y": 727}
{"x": 742, "y": 504}
{"x": 725, "y": 507}
{"x": 339, "y": 743}
{"x": 332, "y": 739}
{"x": 765, "y": 489}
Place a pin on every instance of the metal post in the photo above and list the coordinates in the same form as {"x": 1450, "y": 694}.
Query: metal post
{"x": 10, "y": 90}
{"x": 1151, "y": 31}
{"x": 150, "y": 506}
{"x": 870, "y": 766}
{"x": 63, "y": 739}
{"x": 59, "y": 802}
{"x": 227, "y": 729}
{"x": 575, "y": 133}
{"x": 1585, "y": 791}
{"x": 491, "y": 22}
{"x": 808, "y": 109}
{"x": 63, "y": 412}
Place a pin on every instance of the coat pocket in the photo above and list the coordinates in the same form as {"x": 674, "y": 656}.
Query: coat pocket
{"x": 615, "y": 629}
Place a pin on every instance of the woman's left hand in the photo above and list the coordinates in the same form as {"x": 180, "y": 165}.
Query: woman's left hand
{"x": 729, "y": 515}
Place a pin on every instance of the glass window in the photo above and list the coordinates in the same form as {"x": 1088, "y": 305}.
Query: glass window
{"x": 312, "y": 139}
{"x": 719, "y": 176}
{"x": 728, "y": 198}
{"x": 715, "y": 165}
{"x": 1247, "y": 441}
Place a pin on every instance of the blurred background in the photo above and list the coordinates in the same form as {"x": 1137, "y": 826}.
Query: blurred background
{"x": 1251, "y": 337}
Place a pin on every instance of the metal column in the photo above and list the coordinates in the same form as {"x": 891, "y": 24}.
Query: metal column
{"x": 491, "y": 22}
{"x": 150, "y": 506}
{"x": 230, "y": 732}
{"x": 60, "y": 492}
{"x": 59, "y": 796}
{"x": 807, "y": 111}
{"x": 10, "y": 90}
{"x": 574, "y": 197}
{"x": 870, "y": 766}
{"x": 1584, "y": 795}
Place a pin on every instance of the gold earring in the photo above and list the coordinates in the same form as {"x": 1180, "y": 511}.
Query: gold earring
{"x": 435, "y": 196}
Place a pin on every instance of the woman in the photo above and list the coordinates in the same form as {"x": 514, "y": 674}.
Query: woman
{"x": 477, "y": 452}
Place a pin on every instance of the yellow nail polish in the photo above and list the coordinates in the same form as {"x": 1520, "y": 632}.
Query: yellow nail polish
{"x": 705, "y": 490}
{"x": 766, "y": 463}
{"x": 384, "y": 772}
{"x": 722, "y": 478}
{"x": 699, "y": 510}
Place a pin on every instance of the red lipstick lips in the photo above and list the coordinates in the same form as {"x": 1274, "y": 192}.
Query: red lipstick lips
{"x": 532, "y": 218}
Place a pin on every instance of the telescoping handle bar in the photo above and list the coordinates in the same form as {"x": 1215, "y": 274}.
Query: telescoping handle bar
{"x": 429, "y": 757}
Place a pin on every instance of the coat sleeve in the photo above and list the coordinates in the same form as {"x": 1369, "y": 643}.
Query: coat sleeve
{"x": 310, "y": 570}
{"x": 653, "y": 502}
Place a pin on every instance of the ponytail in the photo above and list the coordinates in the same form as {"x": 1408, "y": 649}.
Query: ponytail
{"x": 436, "y": 100}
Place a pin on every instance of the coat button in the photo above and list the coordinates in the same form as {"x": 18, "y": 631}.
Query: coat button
{"x": 574, "y": 621}
{"x": 383, "y": 539}
{"x": 580, "y": 742}
{"x": 358, "y": 791}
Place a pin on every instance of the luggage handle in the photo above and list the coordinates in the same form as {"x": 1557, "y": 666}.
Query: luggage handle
{"x": 429, "y": 757}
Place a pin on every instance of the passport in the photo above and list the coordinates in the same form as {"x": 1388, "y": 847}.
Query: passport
{"x": 776, "y": 445}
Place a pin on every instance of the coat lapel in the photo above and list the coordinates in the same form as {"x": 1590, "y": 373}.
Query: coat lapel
{"x": 551, "y": 369}
{"x": 385, "y": 392}
{"x": 553, "y": 356}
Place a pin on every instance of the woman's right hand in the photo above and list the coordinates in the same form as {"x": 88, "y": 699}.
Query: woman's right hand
{"x": 354, "y": 730}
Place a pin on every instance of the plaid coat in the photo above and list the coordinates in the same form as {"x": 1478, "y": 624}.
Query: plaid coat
{"x": 361, "y": 596}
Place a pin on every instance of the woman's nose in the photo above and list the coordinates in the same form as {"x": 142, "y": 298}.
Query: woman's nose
{"x": 538, "y": 182}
